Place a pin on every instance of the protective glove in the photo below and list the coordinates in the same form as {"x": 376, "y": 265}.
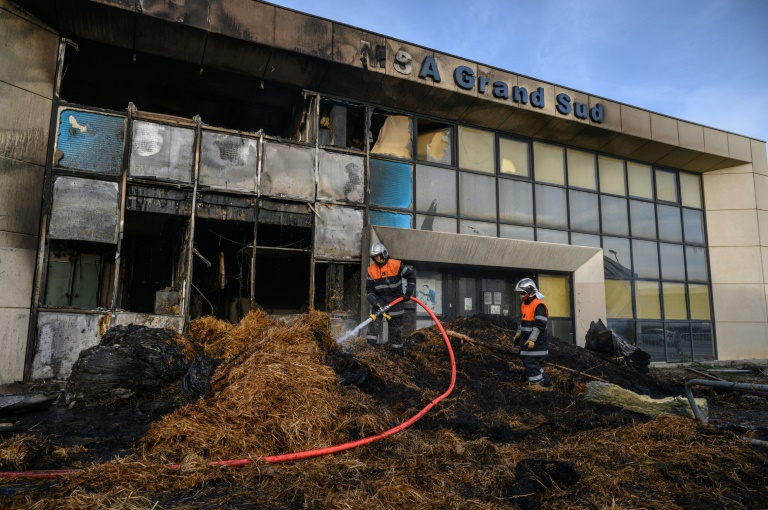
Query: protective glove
{"x": 529, "y": 344}
{"x": 406, "y": 297}
{"x": 516, "y": 338}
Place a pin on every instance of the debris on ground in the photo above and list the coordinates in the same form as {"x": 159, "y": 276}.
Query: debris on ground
{"x": 493, "y": 443}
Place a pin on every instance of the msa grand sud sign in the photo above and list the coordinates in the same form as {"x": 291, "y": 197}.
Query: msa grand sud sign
{"x": 465, "y": 78}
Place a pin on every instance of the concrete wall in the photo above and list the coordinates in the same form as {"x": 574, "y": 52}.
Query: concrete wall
{"x": 737, "y": 222}
{"x": 28, "y": 53}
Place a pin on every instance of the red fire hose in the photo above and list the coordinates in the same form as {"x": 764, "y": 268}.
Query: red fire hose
{"x": 53, "y": 473}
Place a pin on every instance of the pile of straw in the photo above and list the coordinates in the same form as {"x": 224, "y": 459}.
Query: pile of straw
{"x": 278, "y": 394}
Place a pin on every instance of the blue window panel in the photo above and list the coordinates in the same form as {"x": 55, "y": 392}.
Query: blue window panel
{"x": 391, "y": 184}
{"x": 90, "y": 141}
{"x": 390, "y": 219}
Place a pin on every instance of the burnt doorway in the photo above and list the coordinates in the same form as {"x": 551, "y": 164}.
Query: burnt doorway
{"x": 283, "y": 268}
{"x": 152, "y": 262}
{"x": 221, "y": 269}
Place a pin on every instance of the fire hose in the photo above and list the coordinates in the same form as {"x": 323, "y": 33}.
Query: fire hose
{"x": 273, "y": 459}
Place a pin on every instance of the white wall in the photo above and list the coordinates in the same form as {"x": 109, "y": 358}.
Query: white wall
{"x": 737, "y": 222}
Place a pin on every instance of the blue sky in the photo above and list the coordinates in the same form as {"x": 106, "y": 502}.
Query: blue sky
{"x": 704, "y": 61}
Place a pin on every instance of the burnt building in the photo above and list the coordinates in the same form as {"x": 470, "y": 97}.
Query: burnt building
{"x": 160, "y": 161}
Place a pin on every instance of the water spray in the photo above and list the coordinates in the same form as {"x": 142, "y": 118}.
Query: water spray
{"x": 353, "y": 332}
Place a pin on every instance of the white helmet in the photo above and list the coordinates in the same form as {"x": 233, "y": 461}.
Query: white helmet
{"x": 527, "y": 287}
{"x": 379, "y": 249}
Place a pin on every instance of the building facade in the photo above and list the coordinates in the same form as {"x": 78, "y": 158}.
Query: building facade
{"x": 163, "y": 161}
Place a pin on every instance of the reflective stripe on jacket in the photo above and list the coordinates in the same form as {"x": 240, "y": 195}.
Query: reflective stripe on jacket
{"x": 534, "y": 316}
{"x": 384, "y": 284}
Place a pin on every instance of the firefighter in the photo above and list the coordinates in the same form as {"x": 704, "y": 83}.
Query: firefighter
{"x": 383, "y": 285}
{"x": 532, "y": 334}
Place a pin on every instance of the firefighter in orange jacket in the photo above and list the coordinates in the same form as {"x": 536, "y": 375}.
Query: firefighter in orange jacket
{"x": 383, "y": 285}
{"x": 532, "y": 334}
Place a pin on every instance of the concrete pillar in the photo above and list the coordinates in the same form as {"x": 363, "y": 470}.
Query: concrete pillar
{"x": 28, "y": 53}
{"x": 737, "y": 224}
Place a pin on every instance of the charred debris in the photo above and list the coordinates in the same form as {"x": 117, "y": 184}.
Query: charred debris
{"x": 146, "y": 412}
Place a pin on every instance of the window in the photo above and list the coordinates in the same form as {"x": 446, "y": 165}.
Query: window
{"x": 391, "y": 184}
{"x": 611, "y": 175}
{"x": 647, "y": 297}
{"x": 551, "y": 208}
{"x": 690, "y": 190}
{"x": 618, "y": 299}
{"x": 476, "y": 150}
{"x": 646, "y": 257}
{"x": 666, "y": 186}
{"x": 516, "y": 201}
{"x": 435, "y": 142}
{"x": 478, "y": 196}
{"x": 548, "y": 163}
{"x": 643, "y": 219}
{"x": 670, "y": 228}
{"x": 516, "y": 232}
{"x": 581, "y": 169}
{"x": 342, "y": 125}
{"x": 674, "y": 301}
{"x": 585, "y": 212}
{"x": 639, "y": 179}
{"x": 614, "y": 213}
{"x": 435, "y": 190}
{"x": 557, "y": 290}
{"x": 391, "y": 135}
{"x": 513, "y": 157}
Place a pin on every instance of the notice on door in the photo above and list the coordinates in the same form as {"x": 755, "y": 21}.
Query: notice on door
{"x": 468, "y": 304}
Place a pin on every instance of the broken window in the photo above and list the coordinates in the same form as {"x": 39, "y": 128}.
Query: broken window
{"x": 153, "y": 262}
{"x": 79, "y": 275}
{"x": 289, "y": 171}
{"x": 391, "y": 135}
{"x": 337, "y": 287}
{"x": 283, "y": 257}
{"x": 340, "y": 177}
{"x": 342, "y": 125}
{"x": 89, "y": 141}
{"x": 391, "y": 183}
{"x": 160, "y": 151}
{"x": 228, "y": 161}
{"x": 84, "y": 209}
{"x": 302, "y": 127}
{"x": 435, "y": 142}
{"x": 221, "y": 269}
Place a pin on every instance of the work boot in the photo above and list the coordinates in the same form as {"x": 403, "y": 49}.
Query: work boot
{"x": 538, "y": 387}
{"x": 397, "y": 350}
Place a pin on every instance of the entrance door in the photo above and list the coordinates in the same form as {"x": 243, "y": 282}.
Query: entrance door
{"x": 466, "y": 296}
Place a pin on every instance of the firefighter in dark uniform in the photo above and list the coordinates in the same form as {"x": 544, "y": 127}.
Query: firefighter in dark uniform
{"x": 383, "y": 285}
{"x": 532, "y": 334}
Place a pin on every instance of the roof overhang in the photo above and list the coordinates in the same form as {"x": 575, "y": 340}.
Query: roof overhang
{"x": 585, "y": 264}
{"x": 282, "y": 45}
